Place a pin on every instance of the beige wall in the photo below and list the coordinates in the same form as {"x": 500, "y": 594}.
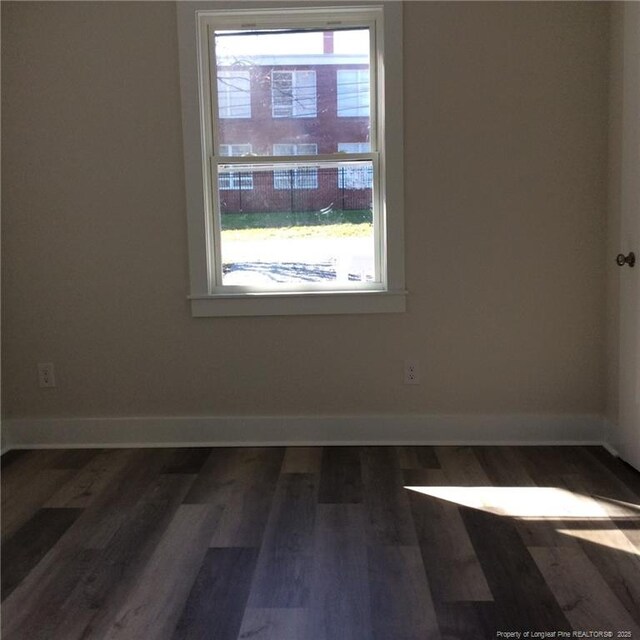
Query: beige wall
{"x": 506, "y": 167}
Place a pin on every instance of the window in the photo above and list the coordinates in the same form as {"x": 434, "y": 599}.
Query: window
{"x": 294, "y": 94}
{"x": 295, "y": 178}
{"x": 353, "y": 92}
{"x": 234, "y": 94}
{"x": 354, "y": 177}
{"x": 235, "y": 180}
{"x": 278, "y": 225}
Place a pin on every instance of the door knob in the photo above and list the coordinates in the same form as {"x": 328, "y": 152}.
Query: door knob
{"x": 630, "y": 259}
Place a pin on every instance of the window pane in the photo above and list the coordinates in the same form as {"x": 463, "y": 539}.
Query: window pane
{"x": 353, "y": 93}
{"x": 353, "y": 147}
{"x": 235, "y": 180}
{"x": 282, "y": 93}
{"x": 305, "y": 94}
{"x": 234, "y": 94}
{"x": 235, "y": 149}
{"x": 298, "y": 224}
{"x": 303, "y": 86}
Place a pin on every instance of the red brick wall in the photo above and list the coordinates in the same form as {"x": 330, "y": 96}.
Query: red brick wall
{"x": 262, "y": 131}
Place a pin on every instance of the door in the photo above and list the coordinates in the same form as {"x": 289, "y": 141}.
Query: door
{"x": 627, "y": 438}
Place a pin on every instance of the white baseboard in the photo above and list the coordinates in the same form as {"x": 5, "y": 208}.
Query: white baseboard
{"x": 304, "y": 430}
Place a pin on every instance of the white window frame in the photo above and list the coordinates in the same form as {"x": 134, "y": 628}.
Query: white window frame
{"x": 302, "y": 178}
{"x": 207, "y": 297}
{"x": 226, "y": 109}
{"x": 344, "y": 111}
{"x": 295, "y": 107}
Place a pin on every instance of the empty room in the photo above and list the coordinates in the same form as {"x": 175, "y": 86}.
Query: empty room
{"x": 320, "y": 320}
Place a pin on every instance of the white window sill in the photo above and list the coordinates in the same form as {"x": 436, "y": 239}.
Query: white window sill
{"x": 283, "y": 304}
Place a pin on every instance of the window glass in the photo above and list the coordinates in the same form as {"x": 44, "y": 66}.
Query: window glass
{"x": 285, "y": 232}
{"x": 284, "y": 82}
{"x": 234, "y": 94}
{"x": 358, "y": 176}
{"x": 284, "y": 222}
{"x": 353, "y": 93}
{"x": 293, "y": 94}
{"x": 239, "y": 179}
{"x": 296, "y": 177}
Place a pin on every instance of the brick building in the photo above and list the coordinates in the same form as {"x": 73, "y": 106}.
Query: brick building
{"x": 300, "y": 104}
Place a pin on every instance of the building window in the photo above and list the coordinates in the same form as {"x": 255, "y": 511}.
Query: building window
{"x": 354, "y": 92}
{"x": 234, "y": 94}
{"x": 354, "y": 176}
{"x": 295, "y": 178}
{"x": 294, "y": 94}
{"x": 284, "y": 224}
{"x": 234, "y": 180}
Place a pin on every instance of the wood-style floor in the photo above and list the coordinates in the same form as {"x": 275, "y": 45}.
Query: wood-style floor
{"x": 334, "y": 543}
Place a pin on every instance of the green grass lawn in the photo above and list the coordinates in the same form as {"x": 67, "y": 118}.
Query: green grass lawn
{"x": 300, "y": 224}
{"x": 345, "y": 230}
{"x": 280, "y": 219}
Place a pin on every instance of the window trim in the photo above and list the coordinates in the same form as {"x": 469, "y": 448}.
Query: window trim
{"x": 390, "y": 296}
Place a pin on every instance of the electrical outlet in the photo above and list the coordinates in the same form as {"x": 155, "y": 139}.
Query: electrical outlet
{"x": 411, "y": 372}
{"x": 46, "y": 374}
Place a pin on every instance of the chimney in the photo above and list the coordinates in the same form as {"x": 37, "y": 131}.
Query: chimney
{"x": 327, "y": 42}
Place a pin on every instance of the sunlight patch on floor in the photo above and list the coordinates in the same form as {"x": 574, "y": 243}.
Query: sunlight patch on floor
{"x": 529, "y": 502}
{"x": 612, "y": 538}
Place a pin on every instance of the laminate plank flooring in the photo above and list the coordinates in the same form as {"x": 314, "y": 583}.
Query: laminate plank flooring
{"x": 581, "y": 591}
{"x": 216, "y": 604}
{"x": 273, "y": 624}
{"x": 312, "y": 543}
{"x": 400, "y": 594}
{"x": 340, "y": 606}
{"x": 29, "y": 544}
{"x": 21, "y": 500}
{"x": 455, "y": 572}
{"x": 158, "y": 598}
{"x": 467, "y": 620}
{"x": 418, "y": 458}
{"x": 386, "y": 501}
{"x": 283, "y": 573}
{"x": 242, "y": 482}
{"x": 82, "y": 488}
{"x": 105, "y": 588}
{"x": 522, "y": 596}
{"x": 302, "y": 460}
{"x": 624, "y": 472}
{"x": 340, "y": 476}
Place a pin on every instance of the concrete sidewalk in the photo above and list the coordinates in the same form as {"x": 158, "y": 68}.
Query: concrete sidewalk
{"x": 270, "y": 260}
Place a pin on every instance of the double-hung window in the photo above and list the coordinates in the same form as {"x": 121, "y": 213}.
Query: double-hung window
{"x": 313, "y": 225}
{"x": 294, "y": 94}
